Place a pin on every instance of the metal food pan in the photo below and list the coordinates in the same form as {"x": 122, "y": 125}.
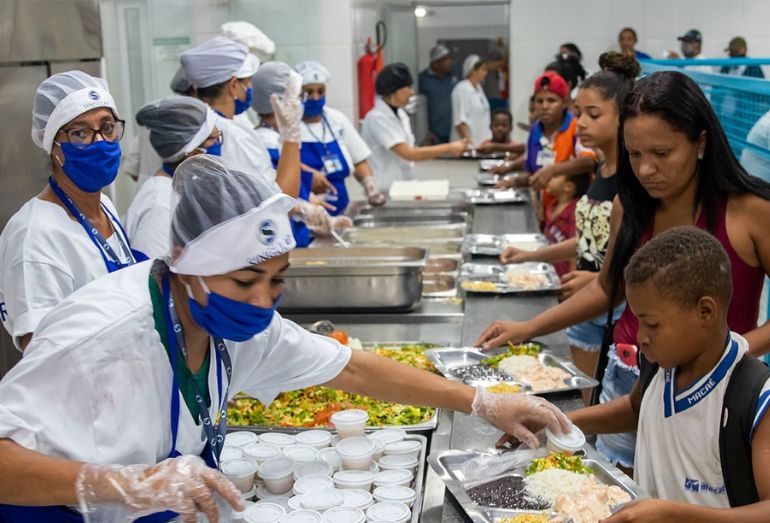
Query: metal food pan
{"x": 417, "y": 207}
{"x": 496, "y": 196}
{"x": 485, "y": 179}
{"x": 493, "y": 245}
{"x": 409, "y": 220}
{"x": 496, "y": 277}
{"x": 448, "y": 466}
{"x": 441, "y": 233}
{"x": 442, "y": 264}
{"x": 448, "y": 360}
{"x": 489, "y": 164}
{"x": 439, "y": 286}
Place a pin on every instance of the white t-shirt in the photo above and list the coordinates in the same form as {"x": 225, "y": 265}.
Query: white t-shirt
{"x": 382, "y": 130}
{"x": 759, "y": 135}
{"x": 44, "y": 257}
{"x": 244, "y": 121}
{"x": 677, "y": 442}
{"x": 471, "y": 107}
{"x": 353, "y": 147}
{"x": 94, "y": 384}
{"x": 269, "y": 136}
{"x": 243, "y": 150}
{"x": 140, "y": 159}
{"x": 148, "y": 219}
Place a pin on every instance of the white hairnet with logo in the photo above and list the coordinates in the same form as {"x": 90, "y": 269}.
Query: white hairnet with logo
{"x": 214, "y": 61}
{"x": 313, "y": 72}
{"x": 177, "y": 125}
{"x": 225, "y": 219}
{"x": 63, "y": 97}
{"x": 271, "y": 78}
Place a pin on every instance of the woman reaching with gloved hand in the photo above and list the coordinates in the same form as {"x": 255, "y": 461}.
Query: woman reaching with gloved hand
{"x": 83, "y": 407}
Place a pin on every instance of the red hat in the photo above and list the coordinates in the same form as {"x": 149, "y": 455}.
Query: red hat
{"x": 551, "y": 81}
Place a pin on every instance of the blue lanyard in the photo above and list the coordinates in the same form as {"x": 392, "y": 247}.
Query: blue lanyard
{"x": 111, "y": 259}
{"x": 324, "y": 124}
{"x": 215, "y": 431}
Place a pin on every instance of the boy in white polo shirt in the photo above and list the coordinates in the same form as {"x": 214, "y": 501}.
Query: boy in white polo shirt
{"x": 703, "y": 443}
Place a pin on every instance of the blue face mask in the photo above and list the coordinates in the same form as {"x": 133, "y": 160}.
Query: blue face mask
{"x": 242, "y": 106}
{"x": 230, "y": 319}
{"x": 93, "y": 168}
{"x": 214, "y": 150}
{"x": 314, "y": 107}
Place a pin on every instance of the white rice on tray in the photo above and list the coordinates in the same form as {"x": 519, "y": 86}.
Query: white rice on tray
{"x": 549, "y": 484}
{"x": 516, "y": 365}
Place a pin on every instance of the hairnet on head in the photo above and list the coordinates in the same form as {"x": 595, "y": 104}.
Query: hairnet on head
{"x": 270, "y": 79}
{"x": 313, "y": 72}
{"x": 225, "y": 219}
{"x": 392, "y": 78}
{"x": 177, "y": 125}
{"x": 439, "y": 52}
{"x": 249, "y": 35}
{"x": 213, "y": 62}
{"x": 65, "y": 96}
{"x": 249, "y": 67}
{"x": 471, "y": 63}
{"x": 179, "y": 83}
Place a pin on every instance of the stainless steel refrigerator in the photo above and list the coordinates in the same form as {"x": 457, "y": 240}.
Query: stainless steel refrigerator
{"x": 37, "y": 38}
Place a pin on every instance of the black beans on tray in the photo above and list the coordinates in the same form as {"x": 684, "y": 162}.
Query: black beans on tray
{"x": 507, "y": 492}
{"x": 479, "y": 372}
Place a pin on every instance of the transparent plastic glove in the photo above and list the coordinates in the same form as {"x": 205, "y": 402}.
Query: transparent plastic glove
{"x": 373, "y": 194}
{"x": 318, "y": 220}
{"x": 491, "y": 465}
{"x": 288, "y": 111}
{"x": 184, "y": 485}
{"x": 519, "y": 415}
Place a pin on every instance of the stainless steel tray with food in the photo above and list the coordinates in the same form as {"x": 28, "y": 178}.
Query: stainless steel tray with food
{"x": 409, "y": 220}
{"x": 531, "y": 369}
{"x": 485, "y": 179}
{"x": 493, "y": 245}
{"x": 324, "y": 279}
{"x": 489, "y": 164}
{"x": 311, "y": 408}
{"x": 496, "y": 196}
{"x": 398, "y": 208}
{"x": 509, "y": 279}
{"x": 507, "y": 495}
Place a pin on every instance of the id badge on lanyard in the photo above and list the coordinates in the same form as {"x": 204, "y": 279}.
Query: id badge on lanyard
{"x": 332, "y": 163}
{"x": 546, "y": 155}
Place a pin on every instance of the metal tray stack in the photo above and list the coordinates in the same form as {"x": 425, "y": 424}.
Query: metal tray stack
{"x": 354, "y": 279}
{"x": 493, "y": 245}
{"x": 493, "y": 279}
{"x": 448, "y": 466}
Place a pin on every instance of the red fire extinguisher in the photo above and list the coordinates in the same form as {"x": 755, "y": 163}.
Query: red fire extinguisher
{"x": 369, "y": 65}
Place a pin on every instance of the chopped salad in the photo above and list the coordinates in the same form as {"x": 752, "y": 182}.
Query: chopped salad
{"x": 559, "y": 460}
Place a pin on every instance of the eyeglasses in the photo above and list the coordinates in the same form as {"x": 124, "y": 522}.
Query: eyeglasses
{"x": 82, "y": 137}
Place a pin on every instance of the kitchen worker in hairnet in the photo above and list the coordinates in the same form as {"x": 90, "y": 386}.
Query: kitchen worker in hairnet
{"x": 69, "y": 234}
{"x": 388, "y": 132}
{"x": 179, "y": 127}
{"x": 221, "y": 70}
{"x": 330, "y": 143}
{"x": 271, "y": 79}
{"x": 92, "y": 421}
{"x": 470, "y": 107}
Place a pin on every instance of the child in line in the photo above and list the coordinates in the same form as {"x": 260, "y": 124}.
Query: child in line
{"x": 501, "y": 142}
{"x": 560, "y": 217}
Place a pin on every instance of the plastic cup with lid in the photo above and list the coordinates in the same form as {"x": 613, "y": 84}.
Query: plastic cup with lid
{"x": 398, "y": 461}
{"x": 264, "y": 513}
{"x": 265, "y": 495}
{"x": 569, "y": 443}
{"x": 344, "y": 515}
{"x": 395, "y": 477}
{"x": 320, "y": 439}
{"x": 231, "y": 453}
{"x": 389, "y": 435}
{"x": 279, "y": 439}
{"x": 250, "y": 495}
{"x": 331, "y": 457}
{"x": 375, "y": 468}
{"x": 238, "y": 516}
{"x": 350, "y": 423}
{"x": 389, "y": 511}
{"x": 356, "y": 453}
{"x": 300, "y": 453}
{"x": 278, "y": 500}
{"x": 312, "y": 483}
{"x": 240, "y": 438}
{"x": 277, "y": 473}
{"x": 303, "y": 516}
{"x": 379, "y": 448}
{"x": 261, "y": 452}
{"x": 313, "y": 468}
{"x": 395, "y": 493}
{"x": 241, "y": 472}
{"x": 355, "y": 479}
{"x": 357, "y": 498}
{"x": 321, "y": 500}
{"x": 408, "y": 447}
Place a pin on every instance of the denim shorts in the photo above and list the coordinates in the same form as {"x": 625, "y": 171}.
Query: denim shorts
{"x": 587, "y": 336}
{"x": 618, "y": 381}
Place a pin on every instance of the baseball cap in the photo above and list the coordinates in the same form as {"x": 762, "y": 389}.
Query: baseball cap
{"x": 551, "y": 81}
{"x": 439, "y": 52}
{"x": 736, "y": 43}
{"x": 693, "y": 35}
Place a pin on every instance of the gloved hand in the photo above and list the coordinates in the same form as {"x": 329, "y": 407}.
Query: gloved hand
{"x": 519, "y": 415}
{"x": 373, "y": 194}
{"x": 288, "y": 112}
{"x": 318, "y": 220}
{"x": 184, "y": 485}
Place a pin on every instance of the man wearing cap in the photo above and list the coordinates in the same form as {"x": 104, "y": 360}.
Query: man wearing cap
{"x": 691, "y": 44}
{"x": 471, "y": 114}
{"x": 737, "y": 48}
{"x": 436, "y": 83}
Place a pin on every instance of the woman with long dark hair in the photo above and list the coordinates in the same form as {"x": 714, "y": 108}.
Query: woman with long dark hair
{"x": 675, "y": 168}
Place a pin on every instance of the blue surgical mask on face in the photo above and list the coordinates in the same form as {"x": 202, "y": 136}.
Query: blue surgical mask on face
{"x": 242, "y": 106}
{"x": 314, "y": 107}
{"x": 229, "y": 319}
{"x": 93, "y": 168}
{"x": 214, "y": 150}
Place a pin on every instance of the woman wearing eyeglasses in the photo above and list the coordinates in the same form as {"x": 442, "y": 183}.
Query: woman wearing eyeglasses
{"x": 69, "y": 234}
{"x": 179, "y": 127}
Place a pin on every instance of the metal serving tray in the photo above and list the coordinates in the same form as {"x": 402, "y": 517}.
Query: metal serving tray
{"x": 400, "y": 235}
{"x": 496, "y": 275}
{"x": 448, "y": 466}
{"x": 415, "y": 207}
{"x": 338, "y": 279}
{"x": 486, "y": 179}
{"x": 409, "y": 220}
{"x": 493, "y": 245}
{"x": 489, "y": 164}
{"x": 496, "y": 196}
{"x": 448, "y": 360}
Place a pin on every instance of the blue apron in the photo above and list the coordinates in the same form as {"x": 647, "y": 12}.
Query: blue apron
{"x": 302, "y": 234}
{"x": 314, "y": 153}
